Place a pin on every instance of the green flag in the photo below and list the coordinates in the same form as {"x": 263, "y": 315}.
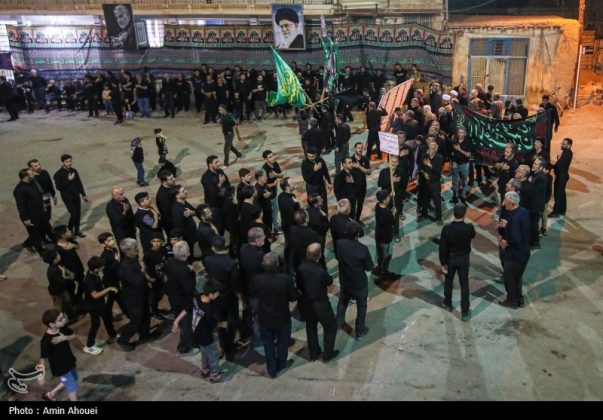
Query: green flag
{"x": 289, "y": 88}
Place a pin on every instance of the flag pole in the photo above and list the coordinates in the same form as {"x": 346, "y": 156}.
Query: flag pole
{"x": 391, "y": 178}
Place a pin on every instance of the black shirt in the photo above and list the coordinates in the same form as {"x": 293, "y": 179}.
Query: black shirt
{"x": 317, "y": 221}
{"x": 57, "y": 284}
{"x": 134, "y": 288}
{"x": 60, "y": 357}
{"x": 250, "y": 260}
{"x": 205, "y": 234}
{"x": 373, "y": 119}
{"x": 274, "y": 168}
{"x": 111, "y": 269}
{"x": 165, "y": 200}
{"x": 29, "y": 202}
{"x": 458, "y": 157}
{"x": 45, "y": 182}
{"x": 144, "y": 222}
{"x": 314, "y": 281}
{"x": 359, "y": 176}
{"x": 342, "y": 135}
{"x": 345, "y": 186}
{"x": 354, "y": 261}
{"x": 274, "y": 292}
{"x": 203, "y": 332}
{"x": 70, "y": 259}
{"x": 122, "y": 223}
{"x": 155, "y": 262}
{"x": 223, "y": 268}
{"x": 180, "y": 286}
{"x": 179, "y": 221}
{"x": 563, "y": 163}
{"x": 505, "y": 175}
{"x": 68, "y": 188}
{"x": 456, "y": 240}
{"x": 303, "y": 236}
{"x": 435, "y": 170}
{"x": 314, "y": 139}
{"x": 287, "y": 208}
{"x": 312, "y": 177}
{"x": 211, "y": 188}
{"x": 93, "y": 283}
{"x": 384, "y": 224}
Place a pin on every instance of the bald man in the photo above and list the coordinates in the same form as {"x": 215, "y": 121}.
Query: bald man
{"x": 121, "y": 216}
{"x": 313, "y": 282}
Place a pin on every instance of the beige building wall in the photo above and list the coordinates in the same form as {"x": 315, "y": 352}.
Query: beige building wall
{"x": 553, "y": 49}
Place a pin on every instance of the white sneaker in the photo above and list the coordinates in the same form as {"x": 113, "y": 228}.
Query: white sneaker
{"x": 93, "y": 350}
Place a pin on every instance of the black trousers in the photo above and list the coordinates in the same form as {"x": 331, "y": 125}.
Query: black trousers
{"x": 34, "y": 237}
{"x": 140, "y": 322}
{"x": 560, "y": 206}
{"x": 320, "y": 312}
{"x": 157, "y": 292}
{"x": 371, "y": 140}
{"x": 432, "y": 193}
{"x": 95, "y": 317}
{"x": 92, "y": 106}
{"x": 186, "y": 333}
{"x": 534, "y": 228}
{"x": 460, "y": 265}
{"x": 360, "y": 195}
{"x": 211, "y": 109}
{"x": 513, "y": 273}
{"x": 9, "y": 104}
{"x": 115, "y": 297}
{"x": 198, "y": 101}
{"x": 227, "y": 310}
{"x": 118, "y": 109}
{"x": 74, "y": 207}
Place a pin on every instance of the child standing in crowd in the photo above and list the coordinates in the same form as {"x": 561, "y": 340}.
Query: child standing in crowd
{"x": 110, "y": 255}
{"x": 55, "y": 347}
{"x": 67, "y": 249}
{"x": 155, "y": 260}
{"x": 128, "y": 108}
{"x": 160, "y": 140}
{"x": 60, "y": 282}
{"x": 204, "y": 329}
{"x": 138, "y": 159}
{"x": 106, "y": 96}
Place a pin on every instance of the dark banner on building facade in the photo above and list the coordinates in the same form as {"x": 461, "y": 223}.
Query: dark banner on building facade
{"x": 489, "y": 136}
{"x": 58, "y": 51}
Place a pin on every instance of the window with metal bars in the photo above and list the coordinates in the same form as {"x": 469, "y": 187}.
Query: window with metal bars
{"x": 500, "y": 62}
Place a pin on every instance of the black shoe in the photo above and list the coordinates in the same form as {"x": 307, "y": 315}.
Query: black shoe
{"x": 126, "y": 346}
{"x": 508, "y": 304}
{"x": 80, "y": 234}
{"x": 466, "y": 316}
{"x": 388, "y": 275}
{"x": 315, "y": 357}
{"x": 446, "y": 306}
{"x": 376, "y": 271}
{"x": 554, "y": 215}
{"x": 288, "y": 364}
{"x": 362, "y": 333}
{"x": 330, "y": 356}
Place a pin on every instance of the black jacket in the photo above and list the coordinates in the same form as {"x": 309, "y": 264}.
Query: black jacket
{"x": 563, "y": 163}
{"x": 122, "y": 223}
{"x": 354, "y": 261}
{"x": 250, "y": 265}
{"x": 274, "y": 291}
{"x": 536, "y": 188}
{"x": 45, "y": 182}
{"x": 134, "y": 287}
{"x": 68, "y": 189}
{"x": 435, "y": 171}
{"x": 211, "y": 189}
{"x": 302, "y": 237}
{"x": 165, "y": 200}
{"x": 180, "y": 286}
{"x": 29, "y": 202}
{"x": 287, "y": 208}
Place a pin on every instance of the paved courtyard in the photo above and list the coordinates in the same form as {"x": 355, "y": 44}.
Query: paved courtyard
{"x": 551, "y": 349}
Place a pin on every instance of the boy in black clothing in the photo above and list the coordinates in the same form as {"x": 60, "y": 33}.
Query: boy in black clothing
{"x": 110, "y": 255}
{"x": 205, "y": 324}
{"x": 59, "y": 284}
{"x": 66, "y": 247}
{"x": 160, "y": 140}
{"x": 96, "y": 304}
{"x": 138, "y": 159}
{"x": 174, "y": 237}
{"x": 155, "y": 260}
{"x": 54, "y": 346}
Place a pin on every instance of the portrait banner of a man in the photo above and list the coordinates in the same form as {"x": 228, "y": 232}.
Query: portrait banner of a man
{"x": 120, "y": 26}
{"x": 288, "y": 24}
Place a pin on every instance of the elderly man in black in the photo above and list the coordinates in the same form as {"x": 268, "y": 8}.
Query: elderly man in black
{"x": 7, "y": 98}
{"x": 354, "y": 261}
{"x": 221, "y": 267}
{"x": 313, "y": 138}
{"x": 313, "y": 282}
{"x": 506, "y": 165}
{"x": 345, "y": 184}
{"x": 250, "y": 264}
{"x": 180, "y": 289}
{"x": 147, "y": 220}
{"x": 31, "y": 209}
{"x": 455, "y": 248}
{"x": 536, "y": 189}
{"x": 340, "y": 221}
{"x": 68, "y": 182}
{"x": 288, "y": 205}
{"x": 274, "y": 291}
{"x": 561, "y": 168}
{"x": 316, "y": 174}
{"x": 384, "y": 235}
{"x": 121, "y": 216}
{"x": 373, "y": 122}
{"x": 400, "y": 181}
{"x": 183, "y": 218}
{"x": 429, "y": 178}
{"x": 214, "y": 181}
{"x": 205, "y": 231}
{"x": 44, "y": 184}
{"x": 135, "y": 293}
{"x": 317, "y": 218}
{"x": 165, "y": 199}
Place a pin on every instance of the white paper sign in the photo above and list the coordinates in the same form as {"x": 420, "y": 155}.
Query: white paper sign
{"x": 389, "y": 143}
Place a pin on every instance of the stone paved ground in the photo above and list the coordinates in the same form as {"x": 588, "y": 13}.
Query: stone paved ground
{"x": 549, "y": 350}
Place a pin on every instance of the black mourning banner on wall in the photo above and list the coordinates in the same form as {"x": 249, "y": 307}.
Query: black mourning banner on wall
{"x": 119, "y": 19}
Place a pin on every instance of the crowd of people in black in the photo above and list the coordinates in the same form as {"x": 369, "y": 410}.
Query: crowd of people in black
{"x": 245, "y": 297}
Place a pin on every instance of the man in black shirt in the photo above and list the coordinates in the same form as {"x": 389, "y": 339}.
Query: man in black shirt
{"x": 180, "y": 289}
{"x": 168, "y": 92}
{"x": 274, "y": 174}
{"x": 429, "y": 178}
{"x": 342, "y": 138}
{"x": 7, "y": 98}
{"x": 211, "y": 106}
{"x": 68, "y": 182}
{"x": 224, "y": 269}
{"x": 399, "y": 73}
{"x": 318, "y": 220}
{"x": 183, "y": 218}
{"x": 553, "y": 121}
{"x": 506, "y": 165}
{"x": 274, "y": 291}
{"x": 165, "y": 199}
{"x": 315, "y": 173}
{"x": 96, "y": 304}
{"x": 147, "y": 219}
{"x": 361, "y": 169}
{"x": 288, "y": 205}
{"x": 461, "y": 152}
{"x": 228, "y": 126}
{"x": 339, "y": 223}
{"x": 242, "y": 86}
{"x": 135, "y": 295}
{"x": 354, "y": 261}
{"x": 384, "y": 228}
{"x": 455, "y": 248}
{"x": 561, "y": 169}
{"x": 263, "y": 195}
{"x": 31, "y": 210}
{"x": 313, "y": 138}
{"x": 304, "y": 236}
{"x": 345, "y": 184}
{"x": 120, "y": 214}
{"x": 44, "y": 184}
{"x": 400, "y": 182}
{"x": 373, "y": 123}
{"x": 250, "y": 263}
{"x": 536, "y": 188}
{"x": 214, "y": 181}
{"x": 313, "y": 282}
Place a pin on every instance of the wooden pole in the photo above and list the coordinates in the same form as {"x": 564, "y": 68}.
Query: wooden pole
{"x": 391, "y": 179}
